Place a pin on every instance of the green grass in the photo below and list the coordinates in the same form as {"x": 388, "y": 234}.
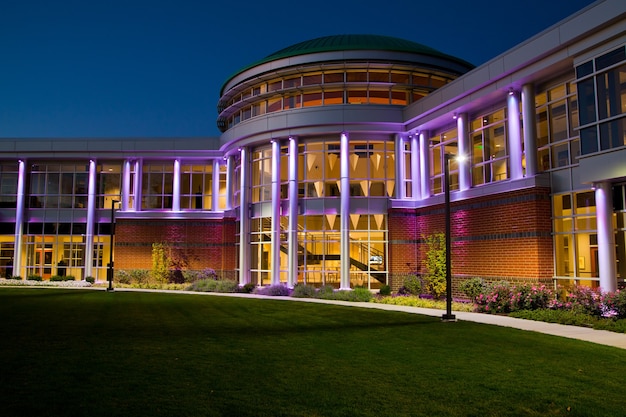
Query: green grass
{"x": 73, "y": 352}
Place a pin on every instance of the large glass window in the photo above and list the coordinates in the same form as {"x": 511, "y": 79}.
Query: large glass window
{"x": 109, "y": 181}
{"x": 490, "y": 158}
{"x": 557, "y": 120}
{"x": 157, "y": 186}
{"x": 58, "y": 185}
{"x": 440, "y": 145}
{"x": 8, "y": 184}
{"x": 602, "y": 94}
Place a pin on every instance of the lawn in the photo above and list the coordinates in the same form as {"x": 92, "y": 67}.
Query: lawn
{"x": 77, "y": 352}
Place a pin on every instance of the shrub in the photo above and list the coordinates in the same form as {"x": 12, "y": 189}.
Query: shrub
{"x": 55, "y": 278}
{"x": 16, "y": 277}
{"x": 325, "y": 292}
{"x": 496, "y": 300}
{"x": 139, "y": 276}
{"x": 176, "y": 277}
{"x": 226, "y": 286}
{"x": 273, "y": 290}
{"x": 90, "y": 280}
{"x": 194, "y": 275}
{"x": 384, "y": 290}
{"x": 411, "y": 285}
{"x": 531, "y": 297}
{"x": 34, "y": 277}
{"x": 247, "y": 288}
{"x": 436, "y": 264}
{"x": 473, "y": 287}
{"x": 122, "y": 276}
{"x": 304, "y": 291}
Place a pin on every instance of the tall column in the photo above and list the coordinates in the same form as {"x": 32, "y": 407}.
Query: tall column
{"x": 275, "y": 231}
{"x": 176, "y": 186}
{"x": 137, "y": 184}
{"x": 416, "y": 186}
{"x": 230, "y": 172}
{"x": 515, "y": 138}
{"x": 292, "y": 275}
{"x": 19, "y": 218}
{"x": 126, "y": 185}
{"x": 400, "y": 192}
{"x": 91, "y": 218}
{"x": 424, "y": 164}
{"x": 606, "y": 237}
{"x": 244, "y": 220}
{"x": 215, "y": 189}
{"x": 463, "y": 158}
{"x": 344, "y": 211}
{"x": 529, "y": 116}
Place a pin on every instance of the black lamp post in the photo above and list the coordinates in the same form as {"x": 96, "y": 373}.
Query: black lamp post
{"x": 110, "y": 270}
{"x": 448, "y": 316}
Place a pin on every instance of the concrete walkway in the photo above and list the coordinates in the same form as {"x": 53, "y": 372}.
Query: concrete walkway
{"x": 602, "y": 337}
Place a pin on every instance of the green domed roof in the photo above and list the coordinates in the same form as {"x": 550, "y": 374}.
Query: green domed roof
{"x": 354, "y": 43}
{"x": 351, "y": 43}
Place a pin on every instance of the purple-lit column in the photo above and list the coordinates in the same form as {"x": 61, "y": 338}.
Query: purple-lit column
{"x": 515, "y": 139}
{"x": 344, "y": 211}
{"x": 91, "y": 216}
{"x": 529, "y": 116}
{"x": 275, "y": 231}
{"x": 230, "y": 171}
{"x": 400, "y": 191}
{"x": 463, "y": 160}
{"x": 606, "y": 236}
{"x": 215, "y": 190}
{"x": 416, "y": 186}
{"x": 138, "y": 185}
{"x": 176, "y": 186}
{"x": 126, "y": 185}
{"x": 292, "y": 236}
{"x": 19, "y": 218}
{"x": 244, "y": 220}
{"x": 424, "y": 164}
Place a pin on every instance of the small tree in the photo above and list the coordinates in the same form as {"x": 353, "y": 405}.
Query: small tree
{"x": 436, "y": 264}
{"x": 160, "y": 262}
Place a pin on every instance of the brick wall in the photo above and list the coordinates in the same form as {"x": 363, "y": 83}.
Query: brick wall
{"x": 502, "y": 236}
{"x": 202, "y": 243}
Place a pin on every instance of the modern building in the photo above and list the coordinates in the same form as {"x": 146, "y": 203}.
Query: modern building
{"x": 333, "y": 163}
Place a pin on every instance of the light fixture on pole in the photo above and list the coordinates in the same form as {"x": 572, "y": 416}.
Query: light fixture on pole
{"x": 448, "y": 316}
{"x": 111, "y": 270}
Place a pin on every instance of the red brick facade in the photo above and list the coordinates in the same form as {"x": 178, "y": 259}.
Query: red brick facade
{"x": 202, "y": 243}
{"x": 501, "y": 236}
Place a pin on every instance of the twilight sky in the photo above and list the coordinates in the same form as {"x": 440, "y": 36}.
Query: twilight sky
{"x": 128, "y": 68}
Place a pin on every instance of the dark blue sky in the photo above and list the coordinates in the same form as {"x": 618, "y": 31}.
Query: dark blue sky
{"x": 110, "y": 68}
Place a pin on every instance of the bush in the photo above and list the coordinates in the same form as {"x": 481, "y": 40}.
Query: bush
{"x": 176, "y": 277}
{"x": 16, "y": 277}
{"x": 304, "y": 291}
{"x": 212, "y": 285}
{"x": 139, "y": 276}
{"x": 90, "y": 280}
{"x": 436, "y": 264}
{"x": 55, "y": 278}
{"x": 247, "y": 288}
{"x": 473, "y": 287}
{"x": 496, "y": 300}
{"x": 412, "y": 285}
{"x": 34, "y": 277}
{"x": 194, "y": 275}
{"x": 122, "y": 276}
{"x": 273, "y": 290}
{"x": 384, "y": 290}
{"x": 325, "y": 292}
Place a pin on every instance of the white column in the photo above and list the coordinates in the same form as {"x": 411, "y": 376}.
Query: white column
{"x": 137, "y": 184}
{"x": 400, "y": 193}
{"x": 275, "y": 231}
{"x": 91, "y": 218}
{"x": 344, "y": 211}
{"x": 606, "y": 237}
{"x": 292, "y": 275}
{"x": 244, "y": 221}
{"x": 463, "y": 158}
{"x": 416, "y": 186}
{"x": 424, "y": 164}
{"x": 126, "y": 185}
{"x": 230, "y": 171}
{"x": 176, "y": 186}
{"x": 529, "y": 116}
{"x": 515, "y": 139}
{"x": 19, "y": 218}
{"x": 215, "y": 190}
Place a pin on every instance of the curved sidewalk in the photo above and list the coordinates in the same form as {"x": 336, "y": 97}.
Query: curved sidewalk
{"x": 603, "y": 337}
